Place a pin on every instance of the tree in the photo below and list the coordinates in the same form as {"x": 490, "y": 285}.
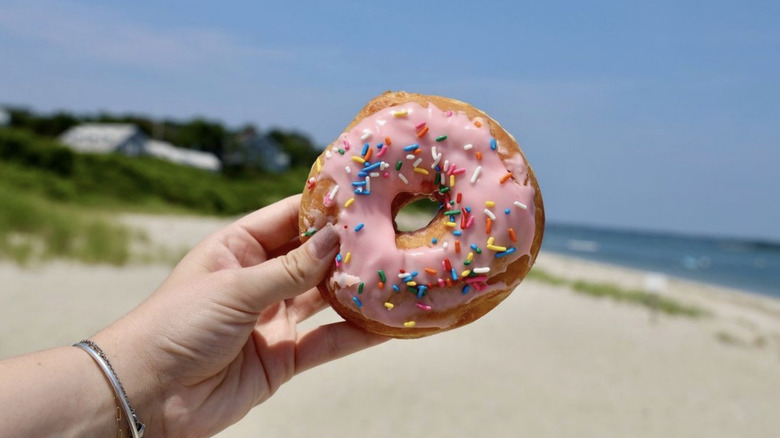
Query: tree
{"x": 298, "y": 146}
{"x": 201, "y": 134}
{"x": 50, "y": 126}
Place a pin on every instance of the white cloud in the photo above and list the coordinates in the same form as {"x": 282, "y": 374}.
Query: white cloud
{"x": 100, "y": 35}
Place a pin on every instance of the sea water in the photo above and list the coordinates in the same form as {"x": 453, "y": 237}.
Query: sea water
{"x": 744, "y": 264}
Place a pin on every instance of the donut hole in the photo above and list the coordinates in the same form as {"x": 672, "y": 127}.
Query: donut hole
{"x": 422, "y": 222}
{"x": 415, "y": 214}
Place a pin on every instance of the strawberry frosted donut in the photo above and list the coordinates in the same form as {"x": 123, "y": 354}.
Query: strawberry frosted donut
{"x": 474, "y": 252}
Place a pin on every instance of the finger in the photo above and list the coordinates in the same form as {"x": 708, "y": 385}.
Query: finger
{"x": 291, "y": 244}
{"x": 257, "y": 287}
{"x": 306, "y": 305}
{"x": 269, "y": 228}
{"x": 274, "y": 225}
{"x": 328, "y": 342}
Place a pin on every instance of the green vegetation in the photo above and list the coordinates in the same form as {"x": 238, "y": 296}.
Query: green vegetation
{"x": 197, "y": 133}
{"x": 32, "y": 228}
{"x": 755, "y": 340}
{"x": 612, "y": 291}
{"x": 297, "y": 145}
{"x": 57, "y": 203}
{"x": 40, "y": 166}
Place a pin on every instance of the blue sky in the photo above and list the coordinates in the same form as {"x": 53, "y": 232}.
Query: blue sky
{"x": 653, "y": 115}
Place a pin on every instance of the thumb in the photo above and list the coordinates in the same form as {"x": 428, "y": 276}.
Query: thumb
{"x": 291, "y": 274}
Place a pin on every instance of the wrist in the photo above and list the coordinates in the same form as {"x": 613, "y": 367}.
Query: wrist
{"x": 138, "y": 378}
{"x": 102, "y": 419}
{"x": 122, "y": 403}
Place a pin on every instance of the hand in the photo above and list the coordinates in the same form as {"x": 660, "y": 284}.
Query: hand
{"x": 219, "y": 336}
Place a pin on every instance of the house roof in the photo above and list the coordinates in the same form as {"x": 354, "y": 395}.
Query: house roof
{"x": 190, "y": 157}
{"x": 98, "y": 137}
{"x": 109, "y": 137}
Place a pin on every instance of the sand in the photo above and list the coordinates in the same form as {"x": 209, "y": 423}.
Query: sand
{"x": 548, "y": 362}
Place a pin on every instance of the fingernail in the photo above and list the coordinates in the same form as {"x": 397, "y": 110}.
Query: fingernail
{"x": 323, "y": 241}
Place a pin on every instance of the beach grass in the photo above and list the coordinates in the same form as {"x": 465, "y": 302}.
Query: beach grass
{"x": 55, "y": 203}
{"x": 41, "y": 166}
{"x": 33, "y": 228}
{"x": 612, "y": 291}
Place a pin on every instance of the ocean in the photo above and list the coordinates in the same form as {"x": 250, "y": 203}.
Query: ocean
{"x": 744, "y": 264}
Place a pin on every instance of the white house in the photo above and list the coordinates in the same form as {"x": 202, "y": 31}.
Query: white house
{"x": 186, "y": 157}
{"x": 128, "y": 139}
{"x": 104, "y": 138}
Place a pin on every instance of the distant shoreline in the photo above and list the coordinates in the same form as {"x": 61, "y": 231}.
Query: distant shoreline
{"x": 741, "y": 264}
{"x": 687, "y": 290}
{"x": 766, "y": 242}
{"x": 733, "y": 288}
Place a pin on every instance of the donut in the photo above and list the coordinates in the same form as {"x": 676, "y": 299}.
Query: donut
{"x": 473, "y": 253}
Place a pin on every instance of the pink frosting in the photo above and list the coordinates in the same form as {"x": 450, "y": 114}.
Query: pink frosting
{"x": 452, "y": 140}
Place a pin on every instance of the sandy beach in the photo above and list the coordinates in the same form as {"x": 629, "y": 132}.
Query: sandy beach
{"x": 548, "y": 362}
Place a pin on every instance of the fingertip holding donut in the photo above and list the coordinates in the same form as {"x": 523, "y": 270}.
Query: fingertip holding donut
{"x": 480, "y": 245}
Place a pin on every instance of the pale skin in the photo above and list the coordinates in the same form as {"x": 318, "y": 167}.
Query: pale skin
{"x": 216, "y": 339}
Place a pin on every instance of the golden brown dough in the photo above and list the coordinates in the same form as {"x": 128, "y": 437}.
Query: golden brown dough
{"x": 505, "y": 272}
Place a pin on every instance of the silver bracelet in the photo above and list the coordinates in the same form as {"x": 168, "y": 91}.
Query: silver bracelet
{"x": 136, "y": 426}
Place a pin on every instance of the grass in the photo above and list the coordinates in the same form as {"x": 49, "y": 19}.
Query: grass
{"x": 55, "y": 203}
{"x": 33, "y": 229}
{"x": 757, "y": 341}
{"x": 43, "y": 167}
{"x": 145, "y": 184}
{"x": 612, "y": 291}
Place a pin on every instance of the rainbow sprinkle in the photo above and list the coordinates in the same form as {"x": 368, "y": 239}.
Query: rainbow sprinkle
{"x": 440, "y": 175}
{"x": 422, "y": 306}
{"x": 475, "y": 175}
{"x": 521, "y": 205}
{"x": 506, "y": 252}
